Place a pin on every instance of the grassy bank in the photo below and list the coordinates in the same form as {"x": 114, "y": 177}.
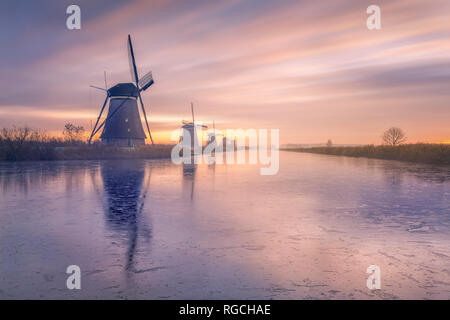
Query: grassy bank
{"x": 100, "y": 152}
{"x": 24, "y": 144}
{"x": 50, "y": 151}
{"x": 420, "y": 152}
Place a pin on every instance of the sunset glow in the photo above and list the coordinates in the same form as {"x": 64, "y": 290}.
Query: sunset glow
{"x": 311, "y": 69}
{"x": 225, "y": 159}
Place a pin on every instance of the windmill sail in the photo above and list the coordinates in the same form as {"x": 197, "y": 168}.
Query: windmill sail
{"x": 133, "y": 70}
{"x": 146, "y": 81}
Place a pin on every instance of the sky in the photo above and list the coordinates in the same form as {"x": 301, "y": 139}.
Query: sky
{"x": 311, "y": 69}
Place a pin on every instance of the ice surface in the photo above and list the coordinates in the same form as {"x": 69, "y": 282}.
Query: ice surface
{"x": 151, "y": 229}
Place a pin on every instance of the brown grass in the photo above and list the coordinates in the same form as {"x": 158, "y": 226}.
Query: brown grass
{"x": 419, "y": 152}
{"x": 25, "y": 144}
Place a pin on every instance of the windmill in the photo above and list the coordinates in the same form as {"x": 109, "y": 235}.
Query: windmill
{"x": 215, "y": 135}
{"x": 190, "y": 129}
{"x": 212, "y": 134}
{"x": 122, "y": 126}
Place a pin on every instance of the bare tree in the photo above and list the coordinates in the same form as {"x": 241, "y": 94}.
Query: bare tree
{"x": 73, "y": 133}
{"x": 329, "y": 143}
{"x": 394, "y": 136}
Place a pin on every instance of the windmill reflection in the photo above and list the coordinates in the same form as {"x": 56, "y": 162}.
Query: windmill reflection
{"x": 189, "y": 174}
{"x": 126, "y": 185}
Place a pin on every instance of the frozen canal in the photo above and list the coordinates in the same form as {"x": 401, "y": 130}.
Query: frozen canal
{"x": 151, "y": 229}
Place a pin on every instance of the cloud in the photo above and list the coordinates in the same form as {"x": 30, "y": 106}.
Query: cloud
{"x": 243, "y": 63}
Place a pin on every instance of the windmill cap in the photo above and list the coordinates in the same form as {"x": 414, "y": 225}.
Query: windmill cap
{"x": 123, "y": 90}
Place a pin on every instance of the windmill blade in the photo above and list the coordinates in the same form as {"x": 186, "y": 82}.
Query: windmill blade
{"x": 135, "y": 78}
{"x": 133, "y": 69}
{"x": 106, "y": 84}
{"x": 110, "y": 115}
{"x": 98, "y": 88}
{"x": 145, "y": 116}
{"x": 146, "y": 81}
{"x": 98, "y": 119}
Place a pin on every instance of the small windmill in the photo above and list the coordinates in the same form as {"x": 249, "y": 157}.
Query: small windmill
{"x": 122, "y": 125}
{"x": 214, "y": 135}
{"x": 190, "y": 128}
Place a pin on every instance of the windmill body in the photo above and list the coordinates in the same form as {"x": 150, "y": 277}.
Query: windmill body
{"x": 189, "y": 137}
{"x": 214, "y": 135}
{"x": 191, "y": 132}
{"x": 122, "y": 125}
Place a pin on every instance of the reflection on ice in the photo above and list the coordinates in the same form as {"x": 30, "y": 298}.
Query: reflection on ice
{"x": 189, "y": 174}
{"x": 151, "y": 229}
{"x": 126, "y": 185}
